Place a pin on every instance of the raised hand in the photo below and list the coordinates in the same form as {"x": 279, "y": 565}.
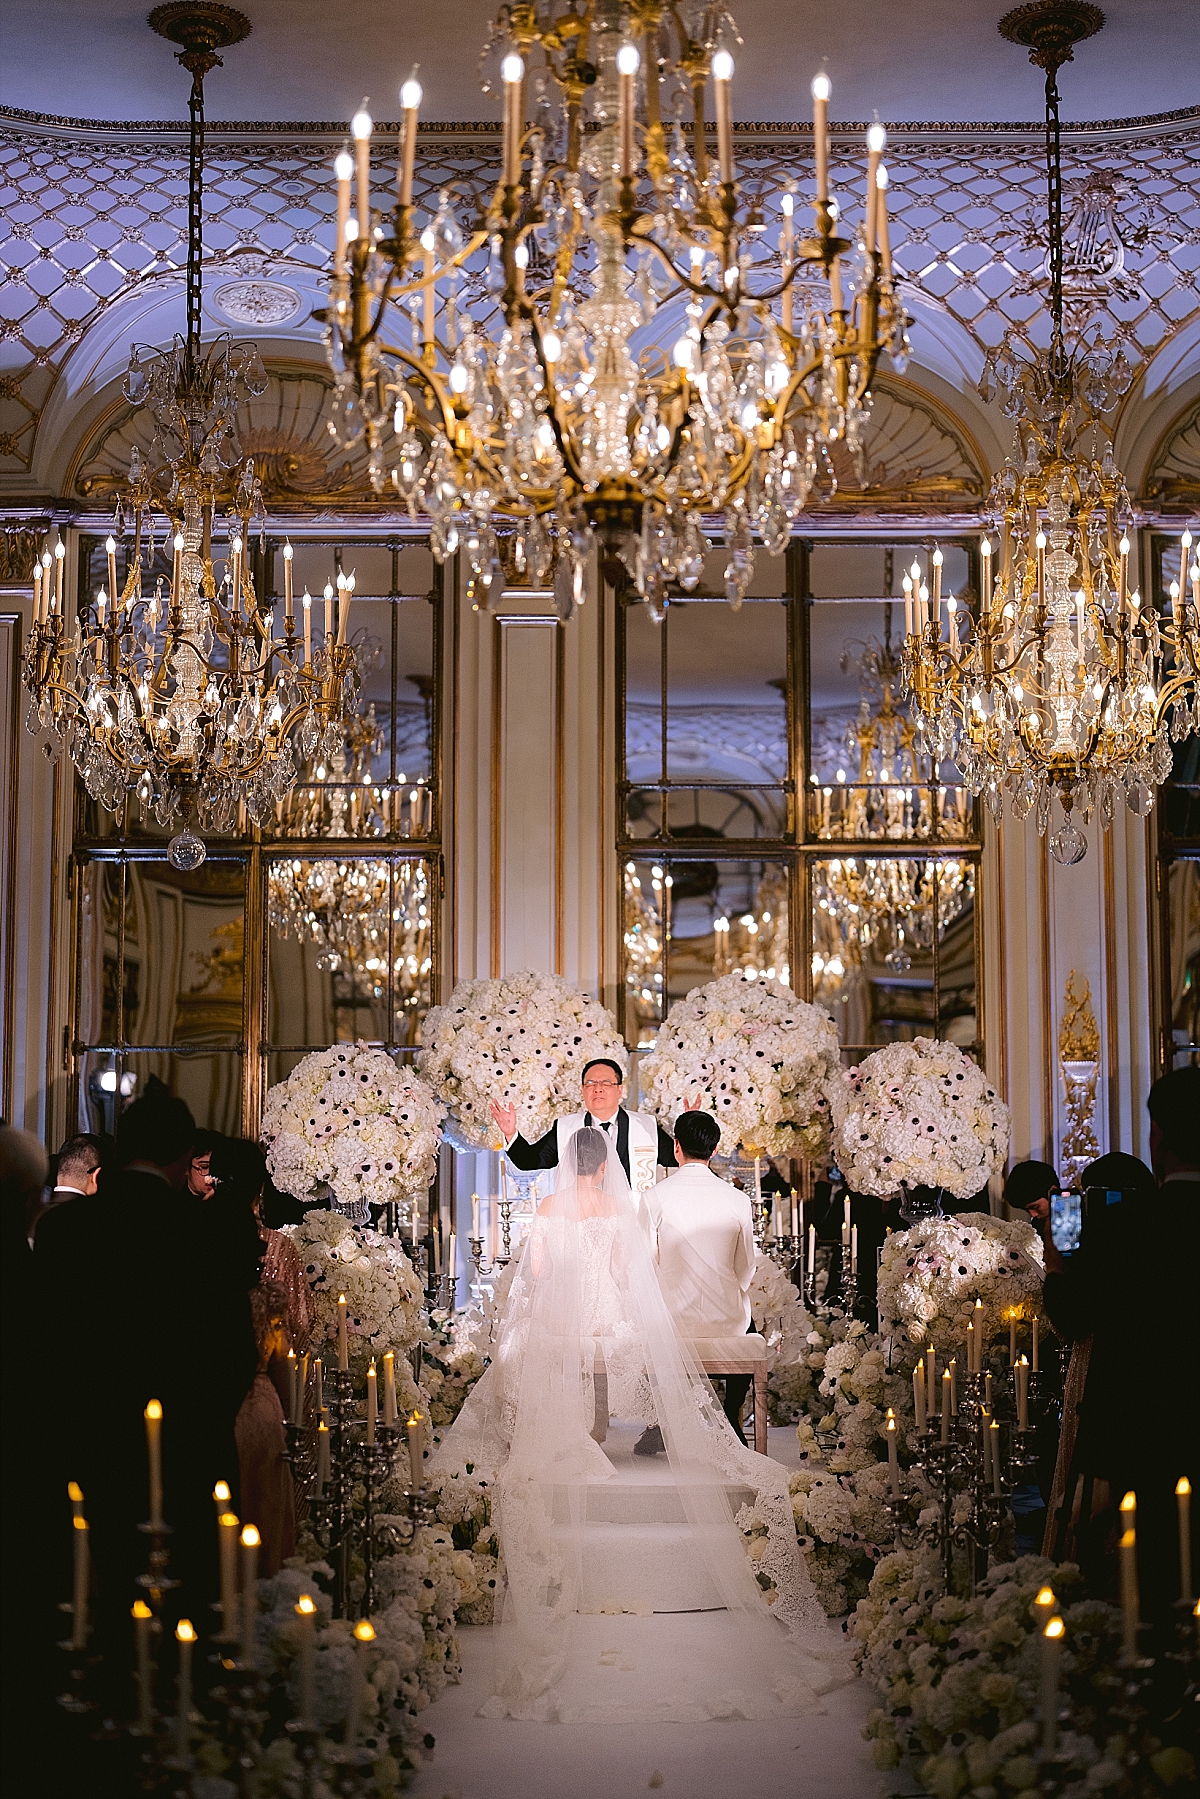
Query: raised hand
{"x": 506, "y": 1119}
{"x": 693, "y": 1105}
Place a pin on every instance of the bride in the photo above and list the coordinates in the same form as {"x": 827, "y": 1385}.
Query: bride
{"x": 628, "y": 1593}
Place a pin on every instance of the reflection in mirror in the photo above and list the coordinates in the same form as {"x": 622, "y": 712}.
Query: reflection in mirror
{"x": 687, "y": 922}
{"x": 351, "y": 943}
{"x": 1183, "y": 938}
{"x": 893, "y": 948}
{"x": 210, "y": 1082}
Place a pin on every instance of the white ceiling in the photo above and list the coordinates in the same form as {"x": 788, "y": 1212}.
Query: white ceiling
{"x": 925, "y": 60}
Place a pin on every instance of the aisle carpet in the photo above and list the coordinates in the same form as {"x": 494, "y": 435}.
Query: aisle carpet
{"x": 812, "y": 1757}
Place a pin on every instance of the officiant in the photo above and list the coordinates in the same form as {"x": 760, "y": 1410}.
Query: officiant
{"x": 643, "y": 1147}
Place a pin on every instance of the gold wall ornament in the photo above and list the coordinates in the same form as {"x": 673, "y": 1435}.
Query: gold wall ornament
{"x": 187, "y": 696}
{"x": 20, "y": 547}
{"x": 1079, "y": 1064}
{"x": 1062, "y": 682}
{"x": 554, "y": 415}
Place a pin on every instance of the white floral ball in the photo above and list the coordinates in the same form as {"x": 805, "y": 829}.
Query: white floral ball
{"x": 523, "y": 1041}
{"x": 759, "y": 1059}
{"x": 930, "y": 1277}
{"x": 919, "y": 1114}
{"x": 350, "y": 1118}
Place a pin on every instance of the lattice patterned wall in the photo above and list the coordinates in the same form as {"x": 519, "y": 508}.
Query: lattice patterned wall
{"x": 95, "y": 215}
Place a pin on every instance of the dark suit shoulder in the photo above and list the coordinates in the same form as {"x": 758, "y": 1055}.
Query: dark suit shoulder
{"x": 531, "y": 1156}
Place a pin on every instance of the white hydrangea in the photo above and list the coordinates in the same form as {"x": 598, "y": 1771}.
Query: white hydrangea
{"x": 523, "y": 1041}
{"x": 350, "y": 1120}
{"x": 918, "y": 1114}
{"x": 930, "y": 1277}
{"x": 383, "y": 1292}
{"x": 757, "y": 1057}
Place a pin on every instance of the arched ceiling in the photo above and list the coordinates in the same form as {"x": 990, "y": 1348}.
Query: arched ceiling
{"x": 928, "y": 60}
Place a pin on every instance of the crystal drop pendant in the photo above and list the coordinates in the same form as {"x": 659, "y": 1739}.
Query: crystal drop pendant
{"x": 1068, "y": 845}
{"x": 186, "y": 851}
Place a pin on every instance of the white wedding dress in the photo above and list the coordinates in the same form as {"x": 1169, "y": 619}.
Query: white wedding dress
{"x": 628, "y": 1594}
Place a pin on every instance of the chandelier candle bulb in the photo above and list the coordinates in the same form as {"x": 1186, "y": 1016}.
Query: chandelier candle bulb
{"x": 908, "y": 605}
{"x": 343, "y": 169}
{"x": 153, "y": 1416}
{"x": 1185, "y": 544}
{"x": 937, "y": 581}
{"x": 372, "y": 1404}
{"x": 110, "y": 549}
{"x": 1052, "y": 1637}
{"x": 288, "y": 604}
{"x": 722, "y": 74}
{"x": 60, "y": 556}
{"x": 1123, "y": 574}
{"x": 881, "y": 223}
{"x": 79, "y": 1597}
{"x": 893, "y": 1458}
{"x": 389, "y": 1386}
{"x": 345, "y": 595}
{"x": 328, "y": 597}
{"x": 876, "y": 144}
{"x": 786, "y": 247}
{"x": 1039, "y": 544}
{"x": 141, "y": 1615}
{"x": 1183, "y": 1499}
{"x": 821, "y": 90}
{"x": 185, "y": 1636}
{"x": 360, "y": 131}
{"x": 410, "y": 100}
{"x": 306, "y": 612}
{"x": 512, "y": 71}
{"x": 250, "y": 1545}
{"x": 946, "y": 1385}
{"x": 627, "y": 68}
{"x": 1023, "y": 1393}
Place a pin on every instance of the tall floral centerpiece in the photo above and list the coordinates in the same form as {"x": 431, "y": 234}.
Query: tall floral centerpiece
{"x": 918, "y": 1119}
{"x": 759, "y": 1059}
{"x": 524, "y": 1041}
{"x": 350, "y": 1126}
{"x": 382, "y": 1288}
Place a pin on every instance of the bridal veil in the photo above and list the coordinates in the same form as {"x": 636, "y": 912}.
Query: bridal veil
{"x": 627, "y": 1593}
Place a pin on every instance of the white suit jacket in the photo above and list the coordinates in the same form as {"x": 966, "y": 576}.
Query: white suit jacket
{"x": 703, "y": 1240}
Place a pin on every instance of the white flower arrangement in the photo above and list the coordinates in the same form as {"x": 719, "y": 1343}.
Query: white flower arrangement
{"x": 931, "y": 1275}
{"x": 759, "y": 1059}
{"x": 383, "y": 1293}
{"x": 348, "y": 1119}
{"x": 523, "y": 1040}
{"x": 918, "y": 1114}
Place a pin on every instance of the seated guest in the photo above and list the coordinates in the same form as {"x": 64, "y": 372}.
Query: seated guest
{"x": 268, "y": 1498}
{"x": 1139, "y": 1419}
{"x": 1027, "y": 1188}
{"x": 703, "y": 1243}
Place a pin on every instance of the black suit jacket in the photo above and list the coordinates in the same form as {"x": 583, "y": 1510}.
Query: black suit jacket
{"x": 529, "y": 1157}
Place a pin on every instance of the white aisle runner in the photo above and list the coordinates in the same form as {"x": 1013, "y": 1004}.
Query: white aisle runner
{"x": 804, "y": 1758}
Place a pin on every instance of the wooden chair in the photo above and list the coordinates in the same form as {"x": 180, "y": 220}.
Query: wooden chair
{"x": 739, "y": 1355}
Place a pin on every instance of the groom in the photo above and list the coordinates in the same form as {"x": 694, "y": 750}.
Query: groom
{"x": 641, "y": 1143}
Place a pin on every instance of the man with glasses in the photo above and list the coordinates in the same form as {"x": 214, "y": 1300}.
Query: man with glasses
{"x": 641, "y": 1143}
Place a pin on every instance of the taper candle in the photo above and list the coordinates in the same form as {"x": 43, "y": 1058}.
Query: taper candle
{"x": 416, "y": 1449}
{"x": 110, "y": 549}
{"x": 141, "y": 1635}
{"x": 360, "y": 131}
{"x": 343, "y": 168}
{"x": 221, "y": 1497}
{"x": 882, "y": 228}
{"x": 994, "y": 1440}
{"x": 854, "y": 1249}
{"x": 787, "y": 256}
{"x": 1052, "y": 1637}
{"x": 372, "y": 1403}
{"x": 1012, "y": 1342}
{"x": 627, "y": 68}
{"x": 322, "y": 1474}
{"x": 328, "y": 598}
{"x": 930, "y": 1377}
{"x": 60, "y": 556}
{"x": 79, "y": 1598}
{"x": 364, "y": 1634}
{"x": 812, "y": 1250}
{"x": 1044, "y": 1606}
{"x": 512, "y": 72}
{"x": 250, "y": 1544}
{"x": 228, "y": 1526}
{"x": 306, "y": 1626}
{"x": 954, "y": 1385}
{"x": 289, "y": 618}
{"x": 389, "y": 1386}
{"x": 946, "y": 1406}
{"x": 306, "y": 607}
{"x": 1036, "y": 1330}
{"x": 1130, "y": 1605}
{"x": 343, "y": 1350}
{"x": 797, "y": 1219}
{"x": 185, "y": 1636}
{"x": 1023, "y": 1393}
{"x": 876, "y": 144}
{"x": 893, "y": 1458}
{"x": 294, "y": 1400}
{"x": 153, "y": 1416}
{"x": 345, "y": 595}
{"x": 970, "y": 1348}
{"x": 1183, "y": 1498}
{"x": 475, "y": 1215}
{"x": 919, "y": 1392}
{"x": 318, "y": 1387}
{"x": 979, "y": 1336}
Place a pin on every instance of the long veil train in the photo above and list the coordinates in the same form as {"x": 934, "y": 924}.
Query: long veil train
{"x": 599, "y": 1554}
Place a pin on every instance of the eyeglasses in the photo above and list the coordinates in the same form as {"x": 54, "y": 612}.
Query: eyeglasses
{"x": 601, "y": 1086}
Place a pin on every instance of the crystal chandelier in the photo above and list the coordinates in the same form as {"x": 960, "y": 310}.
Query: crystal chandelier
{"x": 883, "y": 908}
{"x": 654, "y": 360}
{"x": 184, "y": 694}
{"x": 1065, "y": 682}
{"x": 361, "y": 913}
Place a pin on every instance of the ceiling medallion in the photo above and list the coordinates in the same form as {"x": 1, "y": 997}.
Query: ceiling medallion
{"x": 257, "y": 302}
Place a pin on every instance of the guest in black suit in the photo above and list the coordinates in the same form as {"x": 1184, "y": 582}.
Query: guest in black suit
{"x": 1131, "y": 1288}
